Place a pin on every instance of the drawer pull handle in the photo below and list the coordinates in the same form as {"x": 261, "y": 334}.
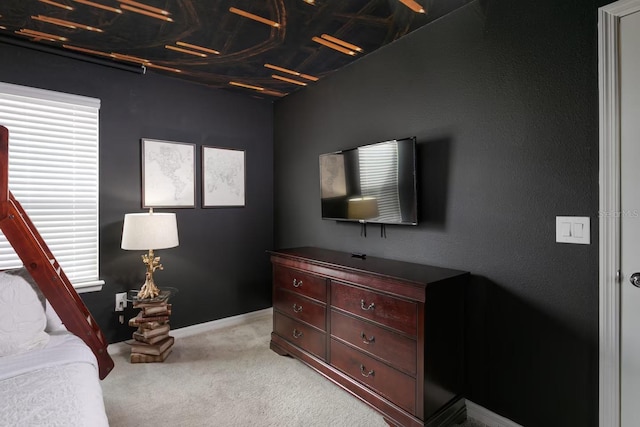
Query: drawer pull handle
{"x": 369, "y": 307}
{"x": 297, "y": 283}
{"x": 297, "y": 334}
{"x": 366, "y": 374}
{"x": 297, "y": 308}
{"x": 367, "y": 340}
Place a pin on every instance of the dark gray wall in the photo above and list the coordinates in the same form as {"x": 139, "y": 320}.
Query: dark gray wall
{"x": 502, "y": 97}
{"x": 220, "y": 268}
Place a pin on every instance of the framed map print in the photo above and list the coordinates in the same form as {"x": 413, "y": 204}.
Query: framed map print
{"x": 223, "y": 177}
{"x": 168, "y": 174}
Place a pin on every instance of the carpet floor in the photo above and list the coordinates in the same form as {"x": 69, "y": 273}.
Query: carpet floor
{"x": 230, "y": 377}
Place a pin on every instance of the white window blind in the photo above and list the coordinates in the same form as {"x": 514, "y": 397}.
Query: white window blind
{"x": 53, "y": 173}
{"x": 379, "y": 178}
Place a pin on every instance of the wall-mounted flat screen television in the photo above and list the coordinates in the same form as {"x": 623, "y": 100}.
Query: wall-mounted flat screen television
{"x": 374, "y": 183}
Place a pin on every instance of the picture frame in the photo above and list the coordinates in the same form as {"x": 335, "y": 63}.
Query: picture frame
{"x": 168, "y": 174}
{"x": 223, "y": 177}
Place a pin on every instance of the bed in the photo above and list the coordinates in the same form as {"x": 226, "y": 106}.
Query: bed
{"x": 52, "y": 352}
{"x": 48, "y": 376}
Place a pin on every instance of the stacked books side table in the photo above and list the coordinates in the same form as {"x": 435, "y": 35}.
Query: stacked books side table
{"x": 151, "y": 341}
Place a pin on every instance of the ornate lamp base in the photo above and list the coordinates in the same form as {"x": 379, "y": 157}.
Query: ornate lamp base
{"x": 149, "y": 289}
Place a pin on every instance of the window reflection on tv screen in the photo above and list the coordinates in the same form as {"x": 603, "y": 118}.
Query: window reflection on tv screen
{"x": 373, "y": 183}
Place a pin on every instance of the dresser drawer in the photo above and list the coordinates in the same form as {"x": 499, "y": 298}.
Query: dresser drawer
{"x": 300, "y": 308}
{"x": 396, "y": 350}
{"x": 300, "y": 282}
{"x": 301, "y": 335}
{"x": 386, "y": 381}
{"x": 386, "y": 310}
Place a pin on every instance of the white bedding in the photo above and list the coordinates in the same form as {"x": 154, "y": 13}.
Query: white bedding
{"x": 57, "y": 385}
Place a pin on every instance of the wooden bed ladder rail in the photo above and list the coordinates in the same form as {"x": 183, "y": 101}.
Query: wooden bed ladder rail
{"x": 45, "y": 270}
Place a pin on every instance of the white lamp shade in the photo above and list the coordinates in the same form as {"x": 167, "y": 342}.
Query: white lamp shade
{"x": 144, "y": 231}
{"x": 362, "y": 208}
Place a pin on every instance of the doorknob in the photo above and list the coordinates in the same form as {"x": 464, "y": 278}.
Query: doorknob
{"x": 635, "y": 280}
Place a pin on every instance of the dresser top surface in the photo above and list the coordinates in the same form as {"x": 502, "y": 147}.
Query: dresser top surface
{"x": 417, "y": 273}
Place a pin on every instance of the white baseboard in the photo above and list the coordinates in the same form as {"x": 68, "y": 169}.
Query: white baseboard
{"x": 487, "y": 417}
{"x": 122, "y": 347}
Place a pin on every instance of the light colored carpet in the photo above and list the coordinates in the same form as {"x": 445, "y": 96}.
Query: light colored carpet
{"x": 230, "y": 377}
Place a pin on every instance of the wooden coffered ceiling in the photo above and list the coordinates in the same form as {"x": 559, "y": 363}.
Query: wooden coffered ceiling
{"x": 266, "y": 48}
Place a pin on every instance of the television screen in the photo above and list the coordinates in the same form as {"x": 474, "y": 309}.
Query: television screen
{"x": 373, "y": 183}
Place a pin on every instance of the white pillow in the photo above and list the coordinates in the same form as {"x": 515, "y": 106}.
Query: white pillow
{"x": 54, "y": 323}
{"x": 53, "y": 320}
{"x": 22, "y": 317}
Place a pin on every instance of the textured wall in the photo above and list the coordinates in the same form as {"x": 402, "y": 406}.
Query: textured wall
{"x": 220, "y": 268}
{"x": 503, "y": 100}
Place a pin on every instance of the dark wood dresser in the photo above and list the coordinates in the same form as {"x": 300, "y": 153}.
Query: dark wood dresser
{"x": 389, "y": 332}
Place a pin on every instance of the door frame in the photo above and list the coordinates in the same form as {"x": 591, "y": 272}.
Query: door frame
{"x": 609, "y": 208}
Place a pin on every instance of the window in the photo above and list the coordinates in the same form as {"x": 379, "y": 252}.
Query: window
{"x": 53, "y": 173}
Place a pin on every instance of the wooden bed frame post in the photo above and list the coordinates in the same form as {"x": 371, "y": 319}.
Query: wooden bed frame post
{"x": 45, "y": 270}
{"x": 4, "y": 170}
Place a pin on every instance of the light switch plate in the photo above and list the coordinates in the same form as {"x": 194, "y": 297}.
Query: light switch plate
{"x": 573, "y": 229}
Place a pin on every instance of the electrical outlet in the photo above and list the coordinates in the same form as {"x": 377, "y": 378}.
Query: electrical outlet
{"x": 121, "y": 301}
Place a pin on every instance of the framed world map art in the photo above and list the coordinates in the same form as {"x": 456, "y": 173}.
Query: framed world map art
{"x": 223, "y": 177}
{"x": 168, "y": 174}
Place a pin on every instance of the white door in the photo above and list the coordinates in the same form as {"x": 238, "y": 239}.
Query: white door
{"x": 630, "y": 219}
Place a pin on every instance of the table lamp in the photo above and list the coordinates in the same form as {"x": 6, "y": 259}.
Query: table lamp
{"x": 362, "y": 208}
{"x": 149, "y": 231}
